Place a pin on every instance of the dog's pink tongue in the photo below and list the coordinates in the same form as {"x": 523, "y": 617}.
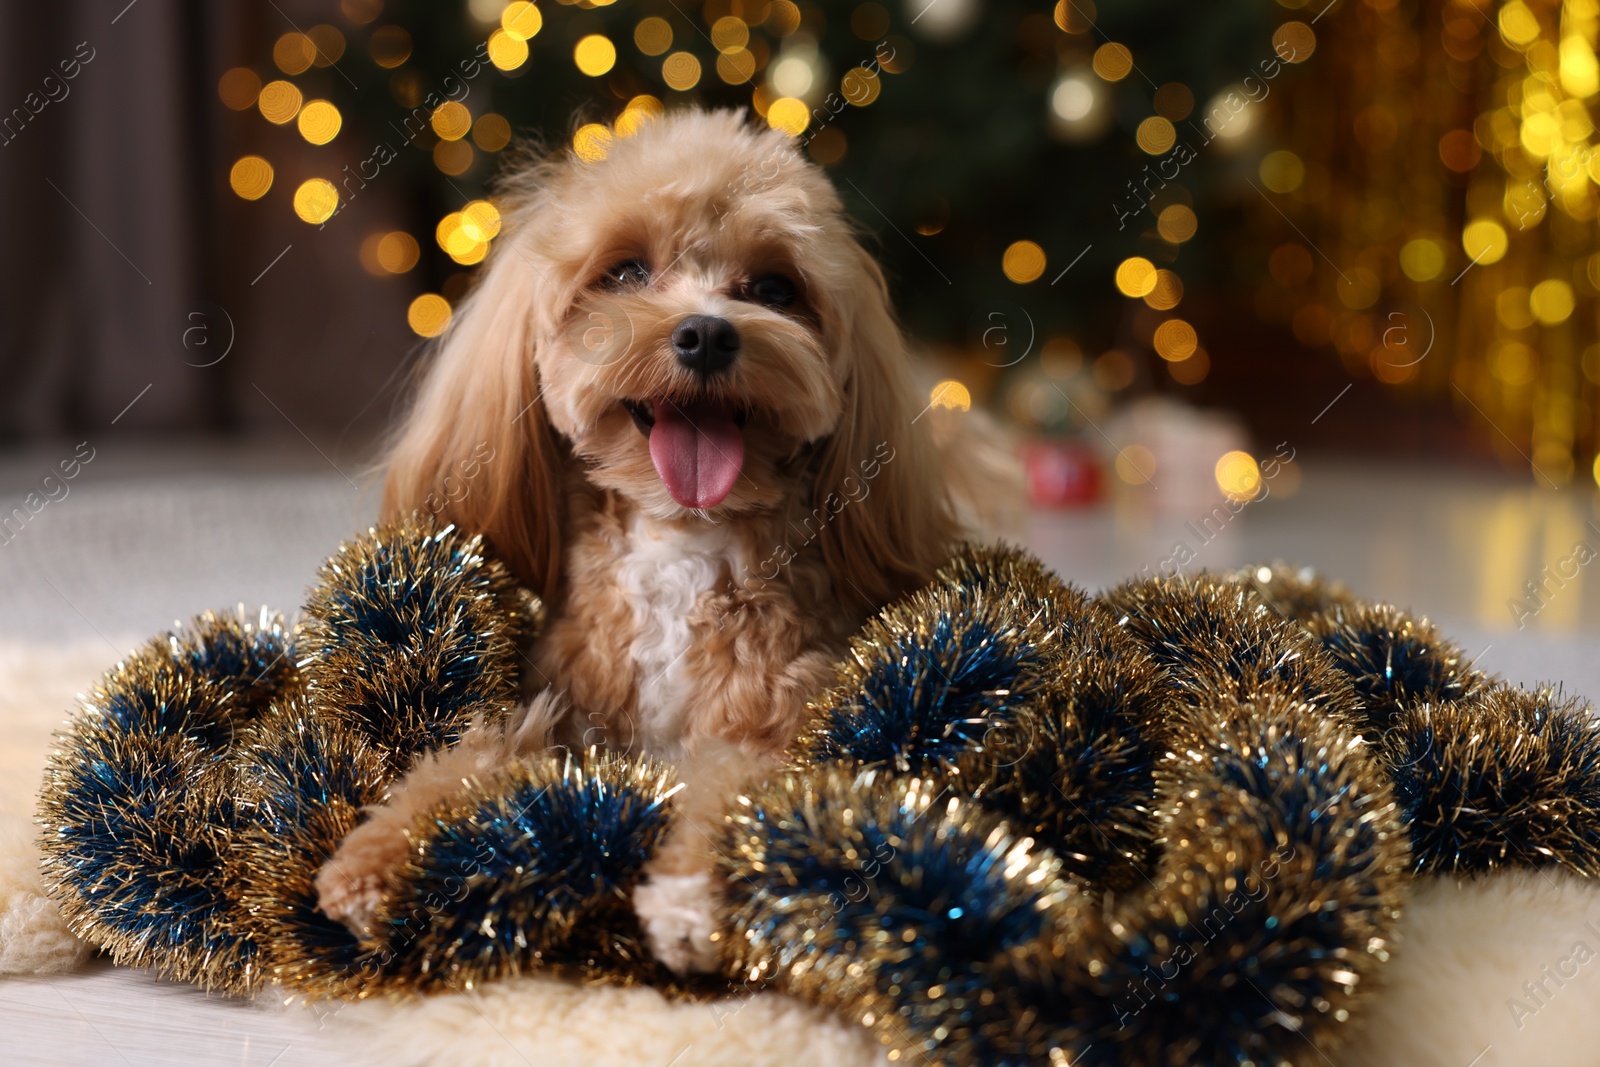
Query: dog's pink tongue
{"x": 698, "y": 450}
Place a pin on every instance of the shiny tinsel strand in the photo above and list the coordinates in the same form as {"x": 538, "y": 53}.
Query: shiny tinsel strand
{"x": 1395, "y": 662}
{"x": 1510, "y": 779}
{"x": 1294, "y": 592}
{"x": 303, "y": 778}
{"x": 139, "y": 802}
{"x": 1263, "y": 927}
{"x": 1074, "y": 767}
{"x": 929, "y": 677}
{"x": 532, "y": 869}
{"x": 1215, "y": 638}
{"x": 885, "y": 898}
{"x": 413, "y": 631}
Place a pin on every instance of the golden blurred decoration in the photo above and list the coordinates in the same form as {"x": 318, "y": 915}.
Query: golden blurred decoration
{"x": 279, "y": 102}
{"x": 1156, "y": 135}
{"x": 507, "y": 52}
{"x": 294, "y": 53}
{"x": 1023, "y": 262}
{"x": 950, "y": 394}
{"x": 239, "y": 88}
{"x": 789, "y": 115}
{"x": 320, "y": 121}
{"x": 860, "y": 86}
{"x": 1175, "y": 340}
{"x": 736, "y": 67}
{"x": 451, "y": 120}
{"x": 491, "y": 132}
{"x": 1136, "y": 464}
{"x": 1113, "y": 61}
{"x": 328, "y": 43}
{"x": 316, "y": 200}
{"x": 480, "y": 220}
{"x": 591, "y": 142}
{"x": 729, "y": 34}
{"x": 390, "y": 46}
{"x": 1177, "y": 223}
{"x": 453, "y": 157}
{"x": 397, "y": 252}
{"x": 1191, "y": 371}
{"x": 361, "y": 12}
{"x": 1167, "y": 293}
{"x": 1136, "y": 276}
{"x": 653, "y": 35}
{"x": 1174, "y": 101}
{"x": 783, "y": 18}
{"x": 595, "y": 54}
{"x": 640, "y": 110}
{"x": 681, "y": 71}
{"x": 1238, "y": 476}
{"x": 251, "y": 177}
{"x": 1075, "y": 16}
{"x": 1448, "y": 185}
{"x": 521, "y": 20}
{"x": 1282, "y": 171}
{"x": 428, "y": 315}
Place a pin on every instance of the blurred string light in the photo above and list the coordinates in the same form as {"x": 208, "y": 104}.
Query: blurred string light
{"x": 251, "y": 177}
{"x": 1238, "y": 476}
{"x": 316, "y": 200}
{"x": 279, "y": 102}
{"x": 428, "y": 315}
{"x": 319, "y": 122}
{"x": 1453, "y": 180}
{"x": 595, "y": 55}
{"x": 950, "y": 394}
{"x": 1023, "y": 262}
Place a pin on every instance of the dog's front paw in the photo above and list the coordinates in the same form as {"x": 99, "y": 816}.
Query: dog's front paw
{"x": 352, "y": 883}
{"x": 678, "y": 913}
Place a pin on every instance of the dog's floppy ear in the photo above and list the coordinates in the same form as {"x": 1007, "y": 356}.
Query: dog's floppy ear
{"x": 476, "y": 448}
{"x": 879, "y": 470}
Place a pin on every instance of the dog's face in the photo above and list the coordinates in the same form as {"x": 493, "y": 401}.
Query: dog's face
{"x": 691, "y": 321}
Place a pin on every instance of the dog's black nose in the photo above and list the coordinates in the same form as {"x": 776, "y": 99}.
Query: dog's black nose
{"x": 705, "y": 344}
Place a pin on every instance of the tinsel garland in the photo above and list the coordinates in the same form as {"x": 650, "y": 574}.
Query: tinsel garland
{"x": 1173, "y": 824}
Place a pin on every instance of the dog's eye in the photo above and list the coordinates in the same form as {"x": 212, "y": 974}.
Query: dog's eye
{"x": 773, "y": 290}
{"x": 629, "y": 274}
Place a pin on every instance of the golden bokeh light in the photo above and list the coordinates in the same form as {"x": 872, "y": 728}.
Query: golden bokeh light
{"x": 595, "y": 54}
{"x": 1136, "y": 276}
{"x": 328, "y": 44}
{"x": 1168, "y": 291}
{"x": 1113, "y": 61}
{"x": 1551, "y": 301}
{"x": 320, "y": 121}
{"x": 591, "y": 142}
{"x": 950, "y": 394}
{"x": 480, "y": 220}
{"x": 1074, "y": 16}
{"x": 491, "y": 132}
{"x": 1484, "y": 241}
{"x": 1023, "y": 262}
{"x": 783, "y": 18}
{"x": 451, "y": 120}
{"x": 1294, "y": 42}
{"x": 251, "y": 177}
{"x": 736, "y": 67}
{"x": 729, "y": 34}
{"x": 1518, "y": 23}
{"x": 1175, "y": 340}
{"x": 1282, "y": 171}
{"x": 681, "y": 71}
{"x": 1156, "y": 135}
{"x": 428, "y": 315}
{"x": 361, "y": 12}
{"x": 1597, "y": 470}
{"x": 640, "y": 110}
{"x": 521, "y": 20}
{"x": 1136, "y": 465}
{"x": 398, "y": 252}
{"x": 390, "y": 46}
{"x": 860, "y": 86}
{"x": 294, "y": 53}
{"x": 653, "y": 36}
{"x": 1177, "y": 223}
{"x": 1191, "y": 371}
{"x": 789, "y": 115}
{"x": 279, "y": 102}
{"x": 453, "y": 157}
{"x": 239, "y": 88}
{"x": 507, "y": 52}
{"x": 316, "y": 200}
{"x": 1238, "y": 476}
{"x": 1422, "y": 259}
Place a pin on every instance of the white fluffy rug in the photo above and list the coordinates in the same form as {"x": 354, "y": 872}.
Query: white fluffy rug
{"x": 1489, "y": 973}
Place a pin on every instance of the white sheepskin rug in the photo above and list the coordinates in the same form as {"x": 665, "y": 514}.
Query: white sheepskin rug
{"x": 1489, "y": 973}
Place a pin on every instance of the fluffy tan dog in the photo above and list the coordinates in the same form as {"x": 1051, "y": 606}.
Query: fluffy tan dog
{"x": 705, "y": 451}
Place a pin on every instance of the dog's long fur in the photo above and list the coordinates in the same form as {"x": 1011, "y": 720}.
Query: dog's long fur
{"x": 678, "y": 632}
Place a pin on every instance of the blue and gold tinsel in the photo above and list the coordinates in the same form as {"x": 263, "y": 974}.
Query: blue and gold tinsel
{"x": 1174, "y": 824}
